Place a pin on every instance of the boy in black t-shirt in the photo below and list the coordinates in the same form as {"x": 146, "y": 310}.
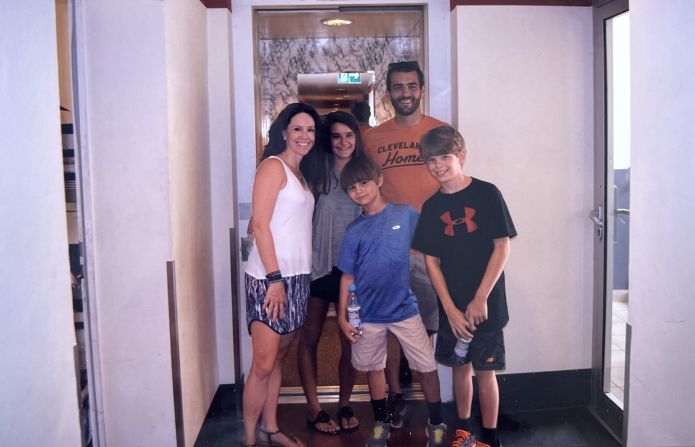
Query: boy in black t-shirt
{"x": 464, "y": 231}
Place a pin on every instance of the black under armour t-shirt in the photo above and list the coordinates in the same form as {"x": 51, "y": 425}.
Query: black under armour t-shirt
{"x": 459, "y": 229}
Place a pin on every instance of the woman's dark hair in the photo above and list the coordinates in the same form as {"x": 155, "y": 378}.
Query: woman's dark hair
{"x": 276, "y": 143}
{"x": 358, "y": 170}
{"x": 322, "y": 177}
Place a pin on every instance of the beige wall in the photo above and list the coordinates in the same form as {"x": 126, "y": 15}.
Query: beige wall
{"x": 524, "y": 84}
{"x": 185, "y": 26}
{"x": 222, "y": 183}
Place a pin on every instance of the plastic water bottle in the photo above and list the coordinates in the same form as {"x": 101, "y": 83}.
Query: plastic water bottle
{"x": 461, "y": 348}
{"x": 353, "y": 309}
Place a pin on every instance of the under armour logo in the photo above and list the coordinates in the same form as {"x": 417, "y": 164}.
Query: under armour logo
{"x": 471, "y": 226}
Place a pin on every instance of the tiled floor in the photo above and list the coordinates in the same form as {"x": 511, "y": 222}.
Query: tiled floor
{"x": 566, "y": 427}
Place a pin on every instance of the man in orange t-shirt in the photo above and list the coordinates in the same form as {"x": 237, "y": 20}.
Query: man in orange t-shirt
{"x": 395, "y": 146}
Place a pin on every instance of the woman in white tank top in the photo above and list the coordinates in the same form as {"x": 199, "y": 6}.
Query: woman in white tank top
{"x": 279, "y": 267}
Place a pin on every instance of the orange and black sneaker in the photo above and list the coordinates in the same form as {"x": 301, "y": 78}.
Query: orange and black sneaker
{"x": 465, "y": 439}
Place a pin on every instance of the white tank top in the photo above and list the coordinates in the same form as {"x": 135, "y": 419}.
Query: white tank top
{"x": 291, "y": 229}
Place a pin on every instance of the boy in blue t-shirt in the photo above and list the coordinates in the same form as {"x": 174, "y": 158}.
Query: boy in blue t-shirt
{"x": 465, "y": 231}
{"x": 375, "y": 256}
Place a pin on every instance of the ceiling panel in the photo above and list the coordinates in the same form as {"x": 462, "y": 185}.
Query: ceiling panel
{"x": 296, "y": 24}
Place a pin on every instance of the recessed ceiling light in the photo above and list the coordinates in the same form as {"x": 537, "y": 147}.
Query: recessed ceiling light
{"x": 336, "y": 22}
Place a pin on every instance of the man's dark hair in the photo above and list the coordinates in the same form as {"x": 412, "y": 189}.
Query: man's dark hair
{"x": 361, "y": 111}
{"x": 404, "y": 67}
{"x": 357, "y": 170}
{"x": 442, "y": 140}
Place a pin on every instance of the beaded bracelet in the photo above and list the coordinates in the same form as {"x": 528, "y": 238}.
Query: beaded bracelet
{"x": 275, "y": 276}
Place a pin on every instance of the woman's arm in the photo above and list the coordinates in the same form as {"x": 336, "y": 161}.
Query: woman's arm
{"x": 270, "y": 179}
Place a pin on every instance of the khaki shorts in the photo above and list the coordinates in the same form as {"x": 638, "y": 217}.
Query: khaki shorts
{"x": 369, "y": 352}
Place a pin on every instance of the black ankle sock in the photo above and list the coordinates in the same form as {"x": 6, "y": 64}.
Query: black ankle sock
{"x": 489, "y": 435}
{"x": 396, "y": 396}
{"x": 379, "y": 408}
{"x": 464, "y": 424}
{"x": 435, "y": 410}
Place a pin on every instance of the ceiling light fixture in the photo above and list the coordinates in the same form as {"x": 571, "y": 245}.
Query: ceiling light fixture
{"x": 336, "y": 22}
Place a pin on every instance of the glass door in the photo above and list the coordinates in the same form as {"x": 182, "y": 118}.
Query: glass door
{"x": 618, "y": 200}
{"x": 611, "y": 214}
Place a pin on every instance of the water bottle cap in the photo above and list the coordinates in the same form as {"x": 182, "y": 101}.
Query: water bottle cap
{"x": 352, "y": 288}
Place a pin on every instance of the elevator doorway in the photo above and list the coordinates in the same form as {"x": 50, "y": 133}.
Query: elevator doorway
{"x": 300, "y": 58}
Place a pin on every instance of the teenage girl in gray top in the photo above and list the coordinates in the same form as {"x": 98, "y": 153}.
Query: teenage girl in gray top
{"x": 341, "y": 141}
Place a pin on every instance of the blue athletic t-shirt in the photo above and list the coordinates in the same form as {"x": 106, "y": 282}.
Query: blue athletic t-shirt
{"x": 376, "y": 251}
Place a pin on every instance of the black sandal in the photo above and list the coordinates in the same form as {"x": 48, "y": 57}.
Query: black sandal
{"x": 269, "y": 438}
{"x": 322, "y": 418}
{"x": 346, "y": 412}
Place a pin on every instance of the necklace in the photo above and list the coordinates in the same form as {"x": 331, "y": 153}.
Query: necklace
{"x": 297, "y": 174}
{"x": 294, "y": 170}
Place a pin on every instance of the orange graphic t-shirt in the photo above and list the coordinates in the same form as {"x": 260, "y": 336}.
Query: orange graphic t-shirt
{"x": 396, "y": 149}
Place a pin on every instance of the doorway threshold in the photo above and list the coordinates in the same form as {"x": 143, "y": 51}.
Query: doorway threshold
{"x": 329, "y": 394}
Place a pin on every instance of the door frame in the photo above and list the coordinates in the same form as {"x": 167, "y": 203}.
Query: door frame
{"x": 604, "y": 409}
{"x": 438, "y": 81}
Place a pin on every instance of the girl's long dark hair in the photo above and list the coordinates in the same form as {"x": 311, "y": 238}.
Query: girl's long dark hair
{"x": 322, "y": 161}
{"x": 276, "y": 144}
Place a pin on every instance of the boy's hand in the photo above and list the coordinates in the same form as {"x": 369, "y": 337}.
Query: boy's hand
{"x": 350, "y": 332}
{"x": 460, "y": 325}
{"x": 274, "y": 302}
{"x": 476, "y": 312}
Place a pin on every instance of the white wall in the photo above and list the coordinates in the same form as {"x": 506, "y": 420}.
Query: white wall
{"x": 662, "y": 302}
{"x": 37, "y": 376}
{"x": 524, "y": 93}
{"x": 125, "y": 140}
{"x": 146, "y": 130}
{"x": 185, "y": 24}
{"x": 221, "y": 181}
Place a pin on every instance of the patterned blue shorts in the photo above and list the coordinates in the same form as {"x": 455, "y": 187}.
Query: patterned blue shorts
{"x": 297, "y": 289}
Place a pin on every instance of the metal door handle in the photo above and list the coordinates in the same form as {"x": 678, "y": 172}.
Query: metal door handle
{"x": 596, "y": 217}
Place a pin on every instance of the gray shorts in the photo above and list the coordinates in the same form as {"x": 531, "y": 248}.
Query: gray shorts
{"x": 427, "y": 300}
{"x": 486, "y": 351}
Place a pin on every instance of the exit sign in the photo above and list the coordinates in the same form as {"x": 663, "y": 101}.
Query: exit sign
{"x": 349, "y": 78}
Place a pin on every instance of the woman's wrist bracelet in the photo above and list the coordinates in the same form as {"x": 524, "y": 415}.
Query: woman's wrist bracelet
{"x": 275, "y": 276}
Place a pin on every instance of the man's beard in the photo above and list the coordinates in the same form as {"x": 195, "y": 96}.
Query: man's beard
{"x": 406, "y": 110}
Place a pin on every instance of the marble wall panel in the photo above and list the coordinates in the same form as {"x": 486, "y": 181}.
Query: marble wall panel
{"x": 281, "y": 60}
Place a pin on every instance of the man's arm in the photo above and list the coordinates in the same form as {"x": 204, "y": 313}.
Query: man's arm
{"x": 457, "y": 319}
{"x": 476, "y": 311}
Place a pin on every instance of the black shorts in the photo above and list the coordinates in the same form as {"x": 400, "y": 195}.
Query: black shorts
{"x": 327, "y": 287}
{"x": 486, "y": 351}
